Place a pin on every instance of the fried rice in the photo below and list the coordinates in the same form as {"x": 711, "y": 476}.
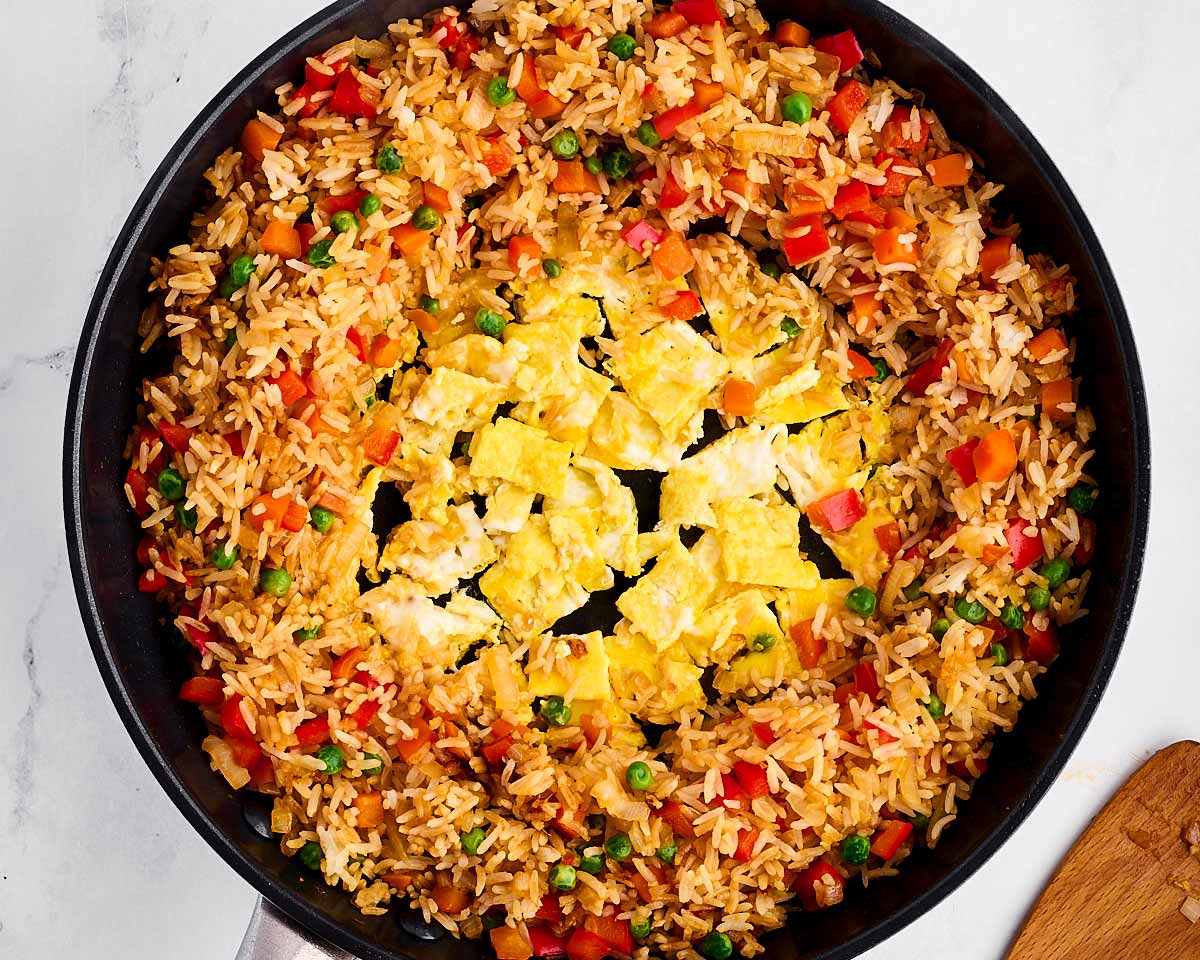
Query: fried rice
{"x": 460, "y": 295}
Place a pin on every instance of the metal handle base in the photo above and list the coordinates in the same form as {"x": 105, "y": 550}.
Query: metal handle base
{"x": 272, "y": 935}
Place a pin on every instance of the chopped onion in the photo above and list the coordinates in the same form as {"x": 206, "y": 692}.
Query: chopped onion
{"x": 221, "y": 757}
{"x": 1191, "y": 909}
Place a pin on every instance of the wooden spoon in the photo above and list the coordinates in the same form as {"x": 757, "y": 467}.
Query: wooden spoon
{"x": 1118, "y": 894}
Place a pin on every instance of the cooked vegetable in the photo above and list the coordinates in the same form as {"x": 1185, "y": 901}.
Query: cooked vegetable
{"x": 564, "y": 144}
{"x": 170, "y": 484}
{"x": 796, "y": 108}
{"x": 489, "y": 323}
{"x": 621, "y": 46}
{"x": 275, "y": 582}
{"x": 971, "y": 610}
{"x": 647, "y": 134}
{"x": 861, "y": 600}
{"x": 1039, "y": 598}
{"x": 618, "y": 846}
{"x": 344, "y": 222}
{"x": 1055, "y": 572}
{"x": 638, "y": 776}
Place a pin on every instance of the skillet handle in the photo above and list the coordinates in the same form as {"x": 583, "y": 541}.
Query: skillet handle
{"x": 272, "y": 935}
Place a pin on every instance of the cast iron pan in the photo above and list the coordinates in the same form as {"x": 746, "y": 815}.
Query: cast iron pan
{"x": 143, "y": 667}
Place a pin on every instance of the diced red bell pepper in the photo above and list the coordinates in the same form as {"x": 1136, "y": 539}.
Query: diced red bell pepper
{"x": 291, "y": 386}
{"x": 842, "y": 45}
{"x": 345, "y": 666}
{"x": 148, "y": 437}
{"x": 205, "y": 690}
{"x": 683, "y": 305}
{"x": 897, "y": 183}
{"x": 262, "y": 774}
{"x": 545, "y": 943}
{"x": 666, "y": 123}
{"x": 356, "y": 344}
{"x": 866, "y": 681}
{"x": 613, "y": 931}
{"x": 897, "y": 131}
{"x": 847, "y": 104}
{"x": 496, "y": 751}
{"x": 818, "y": 886}
{"x": 883, "y": 736}
{"x": 178, "y": 437}
{"x": 463, "y": 55}
{"x": 747, "y": 837}
{"x": 1085, "y": 549}
{"x": 810, "y": 647}
{"x": 352, "y": 98}
{"x": 198, "y": 635}
{"x": 875, "y": 215}
{"x": 675, "y": 816}
{"x": 585, "y": 945}
{"x": 362, "y": 717}
{"x": 1041, "y": 646}
{"x": 151, "y": 581}
{"x": 380, "y": 444}
{"x": 698, "y": 12}
{"x": 550, "y": 909}
{"x": 447, "y": 31}
{"x": 145, "y": 545}
{"x": 639, "y": 234}
{"x": 571, "y": 36}
{"x": 731, "y": 795}
{"x": 497, "y": 156}
{"x": 961, "y": 458}
{"x": 843, "y": 692}
{"x": 752, "y": 778}
{"x": 307, "y": 231}
{"x": 672, "y": 194}
{"x": 809, "y": 246}
{"x": 313, "y": 732}
{"x": 139, "y": 484}
{"x": 423, "y": 735}
{"x": 346, "y": 201}
{"x": 245, "y": 751}
{"x": 319, "y": 80}
{"x": 764, "y": 733}
{"x": 860, "y": 367}
{"x": 887, "y": 535}
{"x": 839, "y": 511}
{"x": 232, "y": 720}
{"x": 929, "y": 372}
{"x": 851, "y": 197}
{"x": 569, "y": 823}
{"x": 1025, "y": 549}
{"x": 890, "y": 837}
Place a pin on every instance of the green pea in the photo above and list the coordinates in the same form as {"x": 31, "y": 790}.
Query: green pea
{"x": 640, "y": 928}
{"x": 761, "y": 642}
{"x": 936, "y": 708}
{"x": 322, "y": 519}
{"x": 1012, "y": 616}
{"x": 913, "y": 590}
{"x": 861, "y": 600}
{"x": 231, "y": 339}
{"x": 1055, "y": 571}
{"x": 1082, "y": 498}
{"x": 552, "y": 268}
{"x": 489, "y": 323}
{"x": 562, "y": 878}
{"x": 1039, "y": 598}
{"x": 1000, "y": 654}
{"x": 667, "y": 854}
{"x": 472, "y": 839}
{"x": 311, "y": 855}
{"x": 429, "y": 304}
{"x": 426, "y": 218}
{"x": 370, "y": 204}
{"x": 939, "y": 628}
{"x": 564, "y": 144}
{"x": 499, "y": 93}
{"x": 797, "y": 108}
{"x": 882, "y": 370}
{"x": 621, "y": 46}
{"x": 185, "y": 516}
{"x": 307, "y": 633}
{"x": 856, "y": 849}
{"x": 789, "y": 327}
{"x": 275, "y": 582}
{"x": 716, "y": 946}
{"x": 239, "y": 275}
{"x": 332, "y": 758}
{"x": 388, "y": 159}
{"x": 374, "y": 769}
{"x": 593, "y": 164}
{"x": 773, "y": 271}
{"x": 919, "y": 820}
{"x": 319, "y": 256}
{"x": 224, "y": 555}
{"x": 618, "y": 162}
{"x": 647, "y": 134}
{"x": 344, "y": 221}
{"x": 170, "y": 484}
{"x": 555, "y": 711}
{"x": 971, "y": 610}
{"x": 590, "y": 863}
{"x": 638, "y": 775}
{"x": 618, "y": 846}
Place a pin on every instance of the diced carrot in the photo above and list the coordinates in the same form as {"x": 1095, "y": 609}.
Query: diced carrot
{"x": 810, "y": 647}
{"x": 267, "y": 508}
{"x": 318, "y": 425}
{"x": 1046, "y": 343}
{"x": 436, "y": 197}
{"x": 450, "y": 899}
{"x": 704, "y": 95}
{"x": 887, "y": 535}
{"x": 736, "y": 181}
{"x": 900, "y": 219}
{"x": 1054, "y": 395}
{"x": 890, "y": 837}
{"x": 897, "y": 131}
{"x": 385, "y": 351}
{"x": 666, "y": 24}
{"x": 282, "y": 240}
{"x": 409, "y": 239}
{"x": 422, "y": 736}
{"x": 524, "y": 255}
{"x": 380, "y": 444}
{"x": 295, "y": 517}
{"x": 346, "y": 666}
{"x": 673, "y": 257}
{"x": 331, "y": 501}
{"x": 802, "y": 200}
{"x": 993, "y": 553}
{"x": 426, "y": 322}
{"x": 996, "y": 457}
{"x": 547, "y": 106}
{"x": 865, "y": 312}
{"x": 950, "y": 170}
{"x": 571, "y": 177}
{"x": 860, "y": 367}
{"x": 258, "y": 138}
{"x": 370, "y": 809}
{"x": 791, "y": 34}
{"x": 846, "y": 105}
{"x": 529, "y": 87}
{"x": 291, "y": 386}
{"x": 683, "y": 305}
{"x": 738, "y": 398}
{"x": 889, "y": 248}
{"x": 401, "y": 880}
{"x": 996, "y": 253}
{"x": 509, "y": 944}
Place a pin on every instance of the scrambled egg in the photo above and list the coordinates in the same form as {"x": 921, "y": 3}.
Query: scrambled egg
{"x": 512, "y": 454}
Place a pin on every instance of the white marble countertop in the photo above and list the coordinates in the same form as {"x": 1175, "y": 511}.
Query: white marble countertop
{"x": 94, "y": 860}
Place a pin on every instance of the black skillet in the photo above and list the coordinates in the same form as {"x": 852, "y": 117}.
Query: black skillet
{"x": 143, "y": 669}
